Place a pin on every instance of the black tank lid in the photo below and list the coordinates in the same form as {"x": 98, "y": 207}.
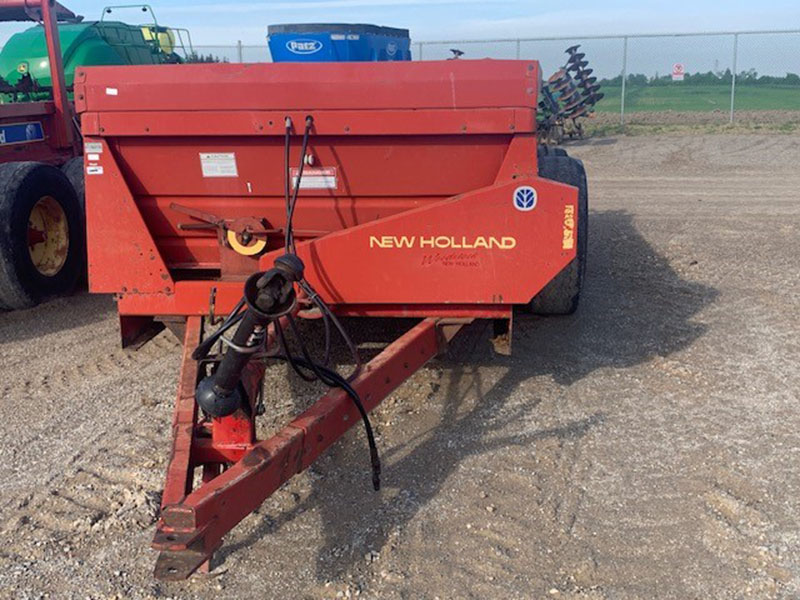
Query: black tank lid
{"x": 341, "y": 28}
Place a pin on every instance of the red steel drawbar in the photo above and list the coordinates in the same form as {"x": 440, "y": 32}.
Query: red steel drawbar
{"x": 419, "y": 198}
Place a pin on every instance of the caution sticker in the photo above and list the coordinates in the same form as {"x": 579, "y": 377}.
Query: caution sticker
{"x": 319, "y": 178}
{"x": 218, "y": 164}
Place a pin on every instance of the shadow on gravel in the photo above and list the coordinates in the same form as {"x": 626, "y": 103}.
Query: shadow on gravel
{"x": 59, "y": 314}
{"x": 635, "y": 307}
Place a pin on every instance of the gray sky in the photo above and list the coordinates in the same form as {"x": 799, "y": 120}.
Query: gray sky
{"x": 223, "y": 23}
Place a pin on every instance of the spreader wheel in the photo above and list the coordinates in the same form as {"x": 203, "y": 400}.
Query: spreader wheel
{"x": 560, "y": 296}
{"x": 41, "y": 234}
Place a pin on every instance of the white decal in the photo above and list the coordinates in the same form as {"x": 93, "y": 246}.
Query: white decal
{"x": 324, "y": 178}
{"x": 219, "y": 164}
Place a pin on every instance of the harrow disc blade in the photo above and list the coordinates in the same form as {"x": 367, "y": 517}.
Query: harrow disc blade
{"x": 570, "y": 96}
{"x": 573, "y": 105}
{"x": 577, "y": 57}
{"x": 573, "y": 49}
{"x": 558, "y": 75}
{"x": 578, "y": 66}
{"x": 561, "y": 86}
{"x": 581, "y": 111}
{"x": 588, "y": 82}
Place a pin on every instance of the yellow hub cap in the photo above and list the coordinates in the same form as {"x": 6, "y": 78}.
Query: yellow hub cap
{"x": 48, "y": 236}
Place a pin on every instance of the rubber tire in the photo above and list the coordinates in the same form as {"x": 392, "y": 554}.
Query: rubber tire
{"x": 74, "y": 170}
{"x": 562, "y": 295}
{"x": 75, "y": 173}
{"x": 545, "y": 150}
{"x": 22, "y": 184}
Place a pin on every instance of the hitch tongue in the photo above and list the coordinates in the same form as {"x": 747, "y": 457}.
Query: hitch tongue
{"x": 269, "y": 295}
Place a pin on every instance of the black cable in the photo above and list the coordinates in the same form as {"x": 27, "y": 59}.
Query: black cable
{"x": 322, "y": 372}
{"x": 233, "y": 318}
{"x": 328, "y": 314}
{"x": 288, "y": 356}
{"x": 290, "y": 248}
{"x": 287, "y": 179}
{"x": 332, "y": 379}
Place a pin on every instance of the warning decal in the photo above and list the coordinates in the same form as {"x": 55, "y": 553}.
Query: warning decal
{"x": 219, "y": 164}
{"x": 320, "y": 178}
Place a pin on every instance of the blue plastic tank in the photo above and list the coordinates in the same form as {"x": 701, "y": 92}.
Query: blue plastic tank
{"x": 338, "y": 42}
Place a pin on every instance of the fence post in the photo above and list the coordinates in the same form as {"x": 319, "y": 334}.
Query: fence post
{"x": 239, "y": 52}
{"x": 735, "y": 68}
{"x": 519, "y": 49}
{"x": 419, "y": 57}
{"x": 624, "y": 80}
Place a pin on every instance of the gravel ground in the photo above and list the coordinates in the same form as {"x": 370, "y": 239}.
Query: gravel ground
{"x": 645, "y": 448}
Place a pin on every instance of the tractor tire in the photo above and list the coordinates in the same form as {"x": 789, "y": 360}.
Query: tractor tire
{"x": 75, "y": 173}
{"x": 562, "y": 294}
{"x": 74, "y": 170}
{"x": 41, "y": 234}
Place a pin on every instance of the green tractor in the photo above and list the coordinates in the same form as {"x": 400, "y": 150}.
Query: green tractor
{"x": 42, "y": 240}
{"x": 25, "y": 69}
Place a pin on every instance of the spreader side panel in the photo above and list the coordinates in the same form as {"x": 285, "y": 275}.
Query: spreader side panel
{"x": 498, "y": 245}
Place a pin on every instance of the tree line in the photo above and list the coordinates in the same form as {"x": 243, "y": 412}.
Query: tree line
{"x": 750, "y": 77}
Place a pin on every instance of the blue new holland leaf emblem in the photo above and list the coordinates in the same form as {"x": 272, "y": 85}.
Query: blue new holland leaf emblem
{"x": 525, "y": 198}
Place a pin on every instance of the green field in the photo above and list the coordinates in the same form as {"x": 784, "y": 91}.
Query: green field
{"x": 679, "y": 97}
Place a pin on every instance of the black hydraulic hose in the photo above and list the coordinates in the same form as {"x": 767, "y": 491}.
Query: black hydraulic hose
{"x": 340, "y": 382}
{"x": 288, "y": 355}
{"x": 332, "y": 379}
{"x": 293, "y": 202}
{"x": 287, "y": 179}
{"x": 233, "y": 318}
{"x": 328, "y": 314}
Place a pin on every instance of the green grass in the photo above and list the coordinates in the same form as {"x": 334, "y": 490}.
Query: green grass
{"x": 680, "y": 97}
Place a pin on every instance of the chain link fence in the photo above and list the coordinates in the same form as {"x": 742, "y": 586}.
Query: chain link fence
{"x": 748, "y": 76}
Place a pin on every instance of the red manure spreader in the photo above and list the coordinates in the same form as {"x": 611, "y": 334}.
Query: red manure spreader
{"x": 266, "y": 194}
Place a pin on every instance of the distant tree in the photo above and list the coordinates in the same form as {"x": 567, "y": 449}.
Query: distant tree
{"x": 637, "y": 79}
{"x": 749, "y": 77}
{"x": 194, "y": 57}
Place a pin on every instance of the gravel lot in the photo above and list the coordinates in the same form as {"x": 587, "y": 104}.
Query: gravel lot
{"x": 645, "y": 448}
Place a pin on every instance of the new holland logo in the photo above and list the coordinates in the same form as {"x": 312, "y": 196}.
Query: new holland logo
{"x": 525, "y": 198}
{"x": 304, "y": 46}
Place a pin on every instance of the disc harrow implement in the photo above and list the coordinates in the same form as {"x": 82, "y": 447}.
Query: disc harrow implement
{"x": 569, "y": 96}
